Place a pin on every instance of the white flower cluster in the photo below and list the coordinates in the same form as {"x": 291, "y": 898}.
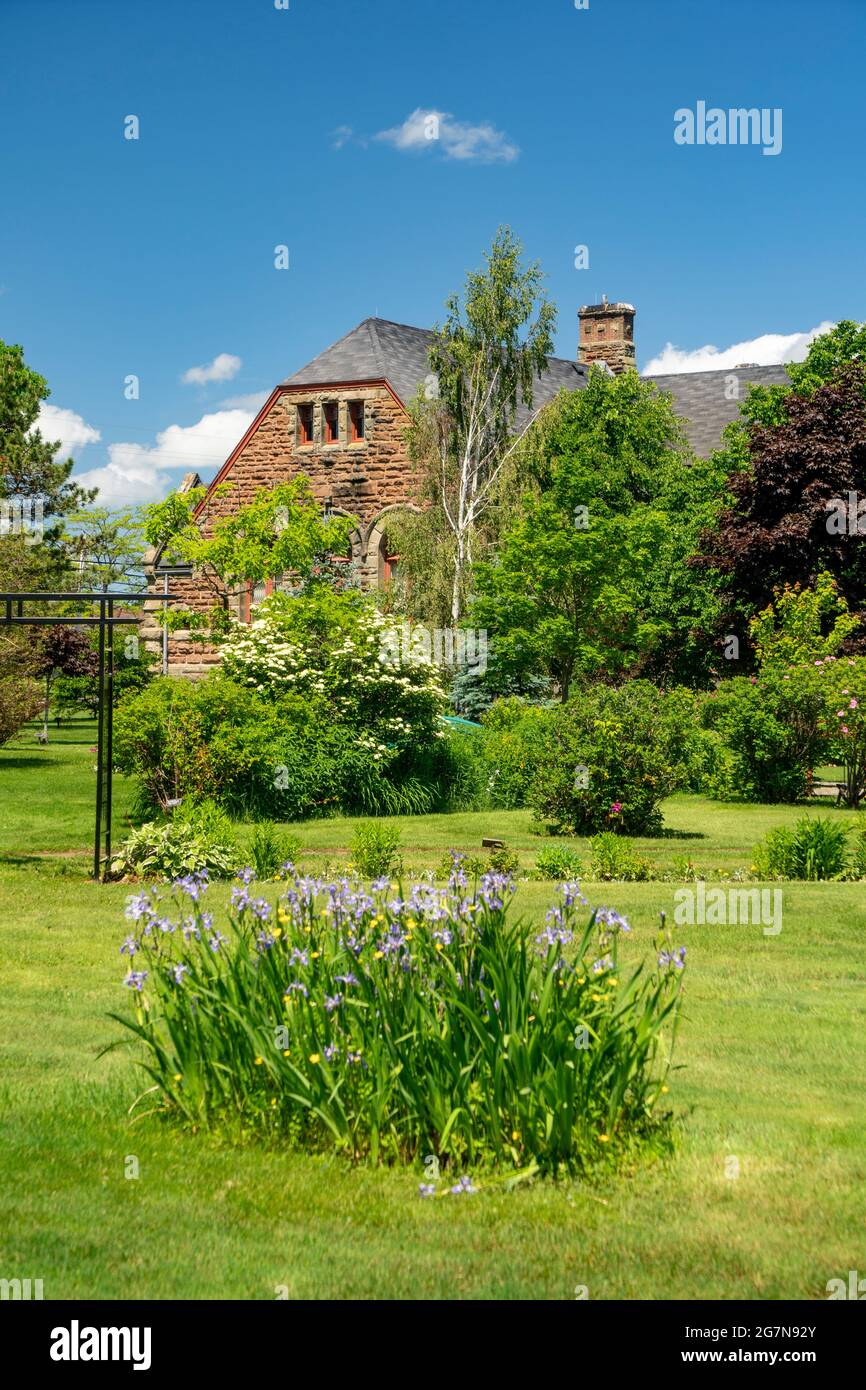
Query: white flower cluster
{"x": 390, "y": 703}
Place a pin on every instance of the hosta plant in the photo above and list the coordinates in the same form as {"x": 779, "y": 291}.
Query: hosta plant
{"x": 175, "y": 848}
{"x": 392, "y": 1024}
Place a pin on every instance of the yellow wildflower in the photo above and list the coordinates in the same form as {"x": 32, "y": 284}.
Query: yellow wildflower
{"x": 314, "y": 1058}
{"x": 259, "y": 1061}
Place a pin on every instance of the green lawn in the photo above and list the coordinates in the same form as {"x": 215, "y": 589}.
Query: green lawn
{"x": 772, "y": 1076}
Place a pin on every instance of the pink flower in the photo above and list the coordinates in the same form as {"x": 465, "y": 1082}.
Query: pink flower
{"x": 819, "y": 663}
{"x": 615, "y": 808}
{"x": 844, "y": 728}
{"x": 852, "y": 704}
{"x": 840, "y": 714}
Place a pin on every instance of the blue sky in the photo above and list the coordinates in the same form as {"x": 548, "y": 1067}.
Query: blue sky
{"x": 261, "y": 126}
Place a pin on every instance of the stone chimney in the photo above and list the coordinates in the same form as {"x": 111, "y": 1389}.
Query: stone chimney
{"x": 607, "y": 334}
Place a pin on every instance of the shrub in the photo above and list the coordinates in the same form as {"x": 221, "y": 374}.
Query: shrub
{"x": 615, "y": 858}
{"x": 174, "y": 849}
{"x": 559, "y": 863}
{"x": 843, "y": 685}
{"x": 857, "y": 864}
{"x": 769, "y": 734}
{"x": 607, "y": 759}
{"x": 498, "y": 861}
{"x": 375, "y": 847}
{"x": 511, "y": 743}
{"x": 268, "y": 758}
{"x": 339, "y": 650}
{"x": 389, "y": 1029}
{"x": 503, "y": 861}
{"x": 472, "y": 865}
{"x": 20, "y": 695}
{"x": 272, "y": 849}
{"x": 813, "y": 849}
{"x": 459, "y": 769}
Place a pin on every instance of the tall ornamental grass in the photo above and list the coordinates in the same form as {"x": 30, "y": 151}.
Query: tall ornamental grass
{"x": 395, "y": 1025}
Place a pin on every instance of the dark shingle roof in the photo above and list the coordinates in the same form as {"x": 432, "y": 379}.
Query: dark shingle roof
{"x": 395, "y": 352}
{"x": 700, "y": 399}
{"x": 379, "y": 349}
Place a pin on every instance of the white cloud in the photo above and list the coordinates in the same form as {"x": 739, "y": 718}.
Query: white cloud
{"x": 55, "y": 423}
{"x": 138, "y": 473}
{"x": 764, "y": 351}
{"x": 341, "y": 136}
{"x": 222, "y": 368}
{"x": 253, "y": 401}
{"x": 430, "y": 129}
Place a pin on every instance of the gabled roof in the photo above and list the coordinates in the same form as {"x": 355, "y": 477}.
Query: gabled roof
{"x": 397, "y": 353}
{"x": 379, "y": 350}
{"x": 701, "y": 399}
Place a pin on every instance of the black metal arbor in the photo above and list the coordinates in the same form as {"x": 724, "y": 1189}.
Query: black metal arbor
{"x": 12, "y": 614}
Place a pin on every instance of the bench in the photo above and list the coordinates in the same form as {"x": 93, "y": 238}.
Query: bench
{"x": 837, "y": 791}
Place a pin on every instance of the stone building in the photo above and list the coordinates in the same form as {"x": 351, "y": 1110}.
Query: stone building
{"x": 340, "y": 420}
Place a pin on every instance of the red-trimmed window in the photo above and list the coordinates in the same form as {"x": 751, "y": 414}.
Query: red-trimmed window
{"x": 356, "y": 421}
{"x": 331, "y": 414}
{"x": 305, "y": 423}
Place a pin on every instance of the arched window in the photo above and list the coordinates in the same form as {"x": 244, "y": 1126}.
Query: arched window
{"x": 389, "y": 562}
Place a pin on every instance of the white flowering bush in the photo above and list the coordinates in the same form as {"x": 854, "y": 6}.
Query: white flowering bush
{"x": 339, "y": 651}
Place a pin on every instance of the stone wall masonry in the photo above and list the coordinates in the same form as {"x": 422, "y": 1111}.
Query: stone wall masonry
{"x": 361, "y": 479}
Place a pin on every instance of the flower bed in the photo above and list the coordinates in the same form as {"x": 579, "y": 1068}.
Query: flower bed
{"x": 396, "y": 1026}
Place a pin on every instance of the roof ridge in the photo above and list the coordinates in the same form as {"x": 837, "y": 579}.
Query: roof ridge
{"x": 723, "y": 371}
{"x": 377, "y": 346}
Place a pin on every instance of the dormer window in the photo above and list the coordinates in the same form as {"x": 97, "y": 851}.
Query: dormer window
{"x": 331, "y": 416}
{"x": 356, "y": 421}
{"x": 305, "y": 423}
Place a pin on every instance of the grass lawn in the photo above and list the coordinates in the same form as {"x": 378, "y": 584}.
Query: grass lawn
{"x": 772, "y": 1077}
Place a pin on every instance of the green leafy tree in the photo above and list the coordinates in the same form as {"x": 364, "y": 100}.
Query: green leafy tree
{"x": 575, "y": 589}
{"x": 106, "y": 547}
{"x": 567, "y": 601}
{"x": 133, "y": 670}
{"x": 281, "y": 531}
{"x": 22, "y": 568}
{"x": 63, "y": 651}
{"x": 28, "y": 467}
